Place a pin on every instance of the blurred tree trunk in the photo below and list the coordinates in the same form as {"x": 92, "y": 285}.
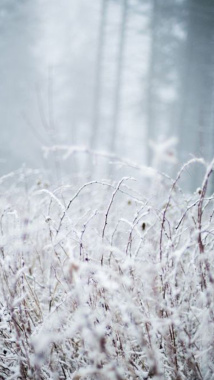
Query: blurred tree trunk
{"x": 162, "y": 72}
{"x": 153, "y": 59}
{"x": 98, "y": 75}
{"x": 119, "y": 73}
{"x": 196, "y": 112}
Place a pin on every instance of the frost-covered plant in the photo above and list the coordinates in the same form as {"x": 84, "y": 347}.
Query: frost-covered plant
{"x": 106, "y": 280}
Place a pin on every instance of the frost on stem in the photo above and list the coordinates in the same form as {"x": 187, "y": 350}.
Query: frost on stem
{"x": 111, "y": 202}
{"x": 200, "y": 204}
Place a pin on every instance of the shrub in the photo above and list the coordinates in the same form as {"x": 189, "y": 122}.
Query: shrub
{"x": 106, "y": 280}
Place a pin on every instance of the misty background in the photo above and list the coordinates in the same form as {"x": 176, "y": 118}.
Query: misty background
{"x": 111, "y": 75}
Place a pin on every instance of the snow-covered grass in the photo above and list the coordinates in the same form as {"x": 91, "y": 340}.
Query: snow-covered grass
{"x": 106, "y": 280}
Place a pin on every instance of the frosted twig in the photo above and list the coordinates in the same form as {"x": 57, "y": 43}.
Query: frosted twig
{"x": 111, "y": 201}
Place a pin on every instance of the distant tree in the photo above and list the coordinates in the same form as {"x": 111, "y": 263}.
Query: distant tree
{"x": 198, "y": 77}
{"x": 197, "y": 83}
{"x": 98, "y": 75}
{"x": 119, "y": 73}
{"x": 163, "y": 70}
{"x": 150, "y": 112}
